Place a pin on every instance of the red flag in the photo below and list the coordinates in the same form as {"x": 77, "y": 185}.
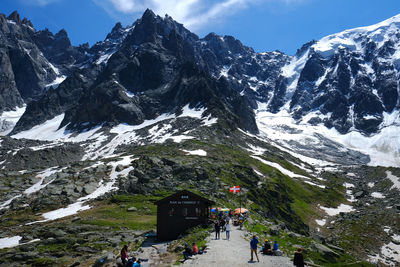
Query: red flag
{"x": 235, "y": 189}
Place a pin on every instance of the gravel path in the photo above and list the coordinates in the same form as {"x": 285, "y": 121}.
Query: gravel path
{"x": 233, "y": 252}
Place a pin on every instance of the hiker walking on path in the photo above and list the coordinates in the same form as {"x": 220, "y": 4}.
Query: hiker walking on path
{"x": 228, "y": 231}
{"x": 253, "y": 247}
{"x": 298, "y": 260}
{"x": 217, "y": 229}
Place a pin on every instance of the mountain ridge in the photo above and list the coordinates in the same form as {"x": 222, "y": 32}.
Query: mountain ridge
{"x": 349, "y": 90}
{"x": 154, "y": 109}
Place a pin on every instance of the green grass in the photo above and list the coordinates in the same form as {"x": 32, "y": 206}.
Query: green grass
{"x": 288, "y": 244}
{"x": 15, "y": 218}
{"x": 114, "y": 213}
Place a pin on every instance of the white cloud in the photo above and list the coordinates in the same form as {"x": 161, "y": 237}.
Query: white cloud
{"x": 194, "y": 14}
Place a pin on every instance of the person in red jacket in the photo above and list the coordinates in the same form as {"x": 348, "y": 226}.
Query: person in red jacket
{"x": 195, "y": 249}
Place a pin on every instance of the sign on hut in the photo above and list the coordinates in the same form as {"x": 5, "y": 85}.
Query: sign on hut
{"x": 179, "y": 212}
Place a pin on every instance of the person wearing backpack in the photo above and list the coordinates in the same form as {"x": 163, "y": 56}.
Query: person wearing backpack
{"x": 298, "y": 260}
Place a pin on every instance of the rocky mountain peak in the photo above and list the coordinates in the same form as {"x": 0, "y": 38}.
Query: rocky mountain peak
{"x": 148, "y": 14}
{"x": 117, "y": 27}
{"x": 117, "y": 32}
{"x": 27, "y": 22}
{"x": 14, "y": 16}
{"x": 62, "y": 34}
{"x": 61, "y": 40}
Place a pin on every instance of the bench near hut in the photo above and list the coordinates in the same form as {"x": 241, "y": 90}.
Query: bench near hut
{"x": 179, "y": 212}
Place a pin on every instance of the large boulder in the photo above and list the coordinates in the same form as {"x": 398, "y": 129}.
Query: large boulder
{"x": 274, "y": 230}
{"x": 325, "y": 252}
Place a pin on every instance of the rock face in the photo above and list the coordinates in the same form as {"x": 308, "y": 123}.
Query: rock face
{"x": 350, "y": 77}
{"x": 348, "y": 80}
{"x": 325, "y": 252}
{"x": 32, "y": 61}
{"x": 151, "y": 70}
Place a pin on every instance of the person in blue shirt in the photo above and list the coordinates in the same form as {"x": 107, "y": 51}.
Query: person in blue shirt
{"x": 137, "y": 263}
{"x": 253, "y": 247}
{"x": 275, "y": 246}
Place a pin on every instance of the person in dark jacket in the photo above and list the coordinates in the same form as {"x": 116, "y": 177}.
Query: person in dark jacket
{"x": 187, "y": 252}
{"x": 217, "y": 228}
{"x": 124, "y": 254}
{"x": 267, "y": 248}
{"x": 298, "y": 260}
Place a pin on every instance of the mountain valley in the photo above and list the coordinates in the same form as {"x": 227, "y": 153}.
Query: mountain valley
{"x": 93, "y": 136}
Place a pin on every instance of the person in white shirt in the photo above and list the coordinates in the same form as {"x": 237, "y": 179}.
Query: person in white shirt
{"x": 227, "y": 230}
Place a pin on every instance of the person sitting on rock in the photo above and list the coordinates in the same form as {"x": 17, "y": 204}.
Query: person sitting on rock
{"x": 130, "y": 262}
{"x": 187, "y": 252}
{"x": 195, "y": 249}
{"x": 267, "y": 248}
{"x": 137, "y": 263}
{"x": 124, "y": 254}
{"x": 276, "y": 247}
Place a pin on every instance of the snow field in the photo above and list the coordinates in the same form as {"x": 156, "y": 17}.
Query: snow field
{"x": 259, "y": 151}
{"x": 101, "y": 147}
{"x": 383, "y": 147}
{"x": 280, "y": 168}
{"x": 11, "y": 118}
{"x": 335, "y": 211}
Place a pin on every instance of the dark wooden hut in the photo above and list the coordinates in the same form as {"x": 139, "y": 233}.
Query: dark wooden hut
{"x": 179, "y": 212}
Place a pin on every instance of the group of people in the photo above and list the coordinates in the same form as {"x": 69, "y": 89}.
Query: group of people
{"x": 191, "y": 251}
{"x": 222, "y": 225}
{"x": 298, "y": 260}
{"x": 129, "y": 262}
{"x": 267, "y": 249}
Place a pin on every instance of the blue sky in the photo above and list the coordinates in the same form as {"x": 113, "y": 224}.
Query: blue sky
{"x": 265, "y": 25}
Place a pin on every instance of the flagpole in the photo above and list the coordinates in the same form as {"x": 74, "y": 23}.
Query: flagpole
{"x": 240, "y": 193}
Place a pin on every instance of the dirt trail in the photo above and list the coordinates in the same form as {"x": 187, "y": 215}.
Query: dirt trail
{"x": 233, "y": 252}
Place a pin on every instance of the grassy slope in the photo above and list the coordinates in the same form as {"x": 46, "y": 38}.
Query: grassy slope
{"x": 275, "y": 196}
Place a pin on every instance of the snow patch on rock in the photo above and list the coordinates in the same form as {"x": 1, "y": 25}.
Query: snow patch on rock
{"x": 394, "y": 179}
{"x": 377, "y": 195}
{"x": 9, "y": 242}
{"x": 335, "y": 211}
{"x": 198, "y": 152}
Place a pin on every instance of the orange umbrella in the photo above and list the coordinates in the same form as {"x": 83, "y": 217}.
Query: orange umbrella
{"x": 240, "y": 210}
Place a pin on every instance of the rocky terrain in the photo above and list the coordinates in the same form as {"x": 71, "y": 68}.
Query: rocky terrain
{"x": 97, "y": 134}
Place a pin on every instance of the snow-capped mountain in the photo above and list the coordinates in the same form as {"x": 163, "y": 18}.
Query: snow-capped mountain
{"x": 342, "y": 88}
{"x": 154, "y": 107}
{"x": 350, "y": 77}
